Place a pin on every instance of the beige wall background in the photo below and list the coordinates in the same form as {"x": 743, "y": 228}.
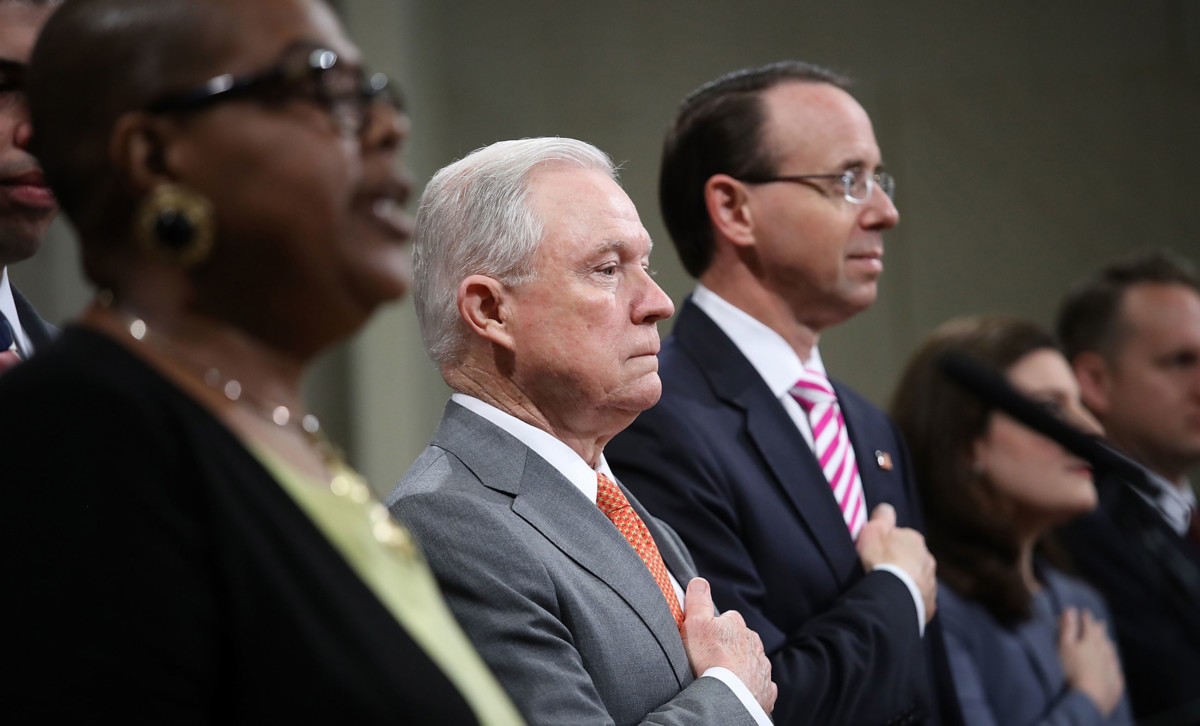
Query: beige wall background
{"x": 1030, "y": 141}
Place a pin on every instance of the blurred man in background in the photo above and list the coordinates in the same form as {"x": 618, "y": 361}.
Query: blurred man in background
{"x": 1132, "y": 334}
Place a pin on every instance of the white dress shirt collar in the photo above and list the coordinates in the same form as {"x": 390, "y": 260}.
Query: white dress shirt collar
{"x": 557, "y": 454}
{"x": 1175, "y": 504}
{"x": 767, "y": 351}
{"x": 8, "y": 306}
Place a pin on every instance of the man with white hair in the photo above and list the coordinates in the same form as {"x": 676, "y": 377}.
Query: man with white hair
{"x": 535, "y": 301}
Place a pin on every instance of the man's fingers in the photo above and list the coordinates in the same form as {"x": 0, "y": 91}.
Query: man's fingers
{"x": 885, "y": 514}
{"x": 698, "y": 602}
{"x": 735, "y": 617}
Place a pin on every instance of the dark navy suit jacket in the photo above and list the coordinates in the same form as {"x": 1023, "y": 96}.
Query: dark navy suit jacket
{"x": 720, "y": 460}
{"x": 1150, "y": 577}
{"x": 39, "y": 331}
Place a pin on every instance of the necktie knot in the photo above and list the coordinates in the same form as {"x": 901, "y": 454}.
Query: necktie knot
{"x": 812, "y": 389}
{"x": 609, "y": 496}
{"x": 831, "y": 445}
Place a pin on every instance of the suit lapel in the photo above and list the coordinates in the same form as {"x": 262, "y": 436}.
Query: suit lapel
{"x": 1175, "y": 560}
{"x": 550, "y": 504}
{"x": 795, "y": 468}
{"x": 39, "y": 331}
{"x": 669, "y": 546}
{"x": 554, "y": 507}
{"x": 1041, "y": 652}
{"x": 1040, "y": 642}
{"x": 874, "y": 490}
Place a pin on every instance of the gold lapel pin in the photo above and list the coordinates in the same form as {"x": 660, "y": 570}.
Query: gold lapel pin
{"x": 883, "y": 459}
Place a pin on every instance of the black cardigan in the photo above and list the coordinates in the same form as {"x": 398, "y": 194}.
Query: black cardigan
{"x": 155, "y": 572}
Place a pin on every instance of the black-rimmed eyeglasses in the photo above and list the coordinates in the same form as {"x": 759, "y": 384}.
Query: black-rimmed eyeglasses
{"x": 306, "y": 73}
{"x": 858, "y": 185}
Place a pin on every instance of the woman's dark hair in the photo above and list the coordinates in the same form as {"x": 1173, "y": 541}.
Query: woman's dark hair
{"x": 968, "y": 529}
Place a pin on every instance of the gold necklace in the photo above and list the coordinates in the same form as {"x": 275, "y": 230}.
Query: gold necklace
{"x": 344, "y": 483}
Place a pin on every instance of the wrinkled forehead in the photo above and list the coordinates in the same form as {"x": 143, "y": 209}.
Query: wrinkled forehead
{"x": 585, "y": 206}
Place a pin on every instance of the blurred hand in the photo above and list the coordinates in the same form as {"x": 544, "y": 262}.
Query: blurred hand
{"x": 1089, "y": 660}
{"x": 881, "y": 542}
{"x": 724, "y": 641}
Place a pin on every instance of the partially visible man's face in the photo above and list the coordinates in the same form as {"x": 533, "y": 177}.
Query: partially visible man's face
{"x": 585, "y": 339}
{"x": 1150, "y": 403}
{"x": 26, "y": 204}
{"x": 821, "y": 253}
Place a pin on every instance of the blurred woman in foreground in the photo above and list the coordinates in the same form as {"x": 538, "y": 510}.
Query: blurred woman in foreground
{"x": 183, "y": 545}
{"x": 1027, "y": 644}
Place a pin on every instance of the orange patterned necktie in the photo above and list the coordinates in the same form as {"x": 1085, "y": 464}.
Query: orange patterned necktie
{"x": 616, "y": 507}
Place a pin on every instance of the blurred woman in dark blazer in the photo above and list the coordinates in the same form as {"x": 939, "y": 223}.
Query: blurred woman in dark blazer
{"x": 1027, "y": 644}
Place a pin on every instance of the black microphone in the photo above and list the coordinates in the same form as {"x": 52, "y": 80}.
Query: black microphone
{"x": 994, "y": 390}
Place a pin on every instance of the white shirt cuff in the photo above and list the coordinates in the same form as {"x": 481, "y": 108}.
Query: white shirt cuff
{"x": 912, "y": 590}
{"x": 743, "y": 694}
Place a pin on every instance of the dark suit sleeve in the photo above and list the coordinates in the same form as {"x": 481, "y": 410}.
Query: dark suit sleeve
{"x": 39, "y": 331}
{"x": 1142, "y": 569}
{"x": 508, "y": 604}
{"x": 848, "y": 663}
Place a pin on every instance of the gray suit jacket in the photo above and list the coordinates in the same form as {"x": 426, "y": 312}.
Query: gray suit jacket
{"x": 553, "y": 597}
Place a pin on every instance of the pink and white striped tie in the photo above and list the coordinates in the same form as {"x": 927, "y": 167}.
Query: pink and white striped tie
{"x": 832, "y": 446}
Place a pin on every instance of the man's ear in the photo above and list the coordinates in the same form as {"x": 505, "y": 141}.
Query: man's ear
{"x": 1095, "y": 380}
{"x": 484, "y": 304}
{"x": 138, "y": 147}
{"x": 729, "y": 209}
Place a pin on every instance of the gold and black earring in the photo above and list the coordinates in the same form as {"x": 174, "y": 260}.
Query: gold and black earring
{"x": 176, "y": 225}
